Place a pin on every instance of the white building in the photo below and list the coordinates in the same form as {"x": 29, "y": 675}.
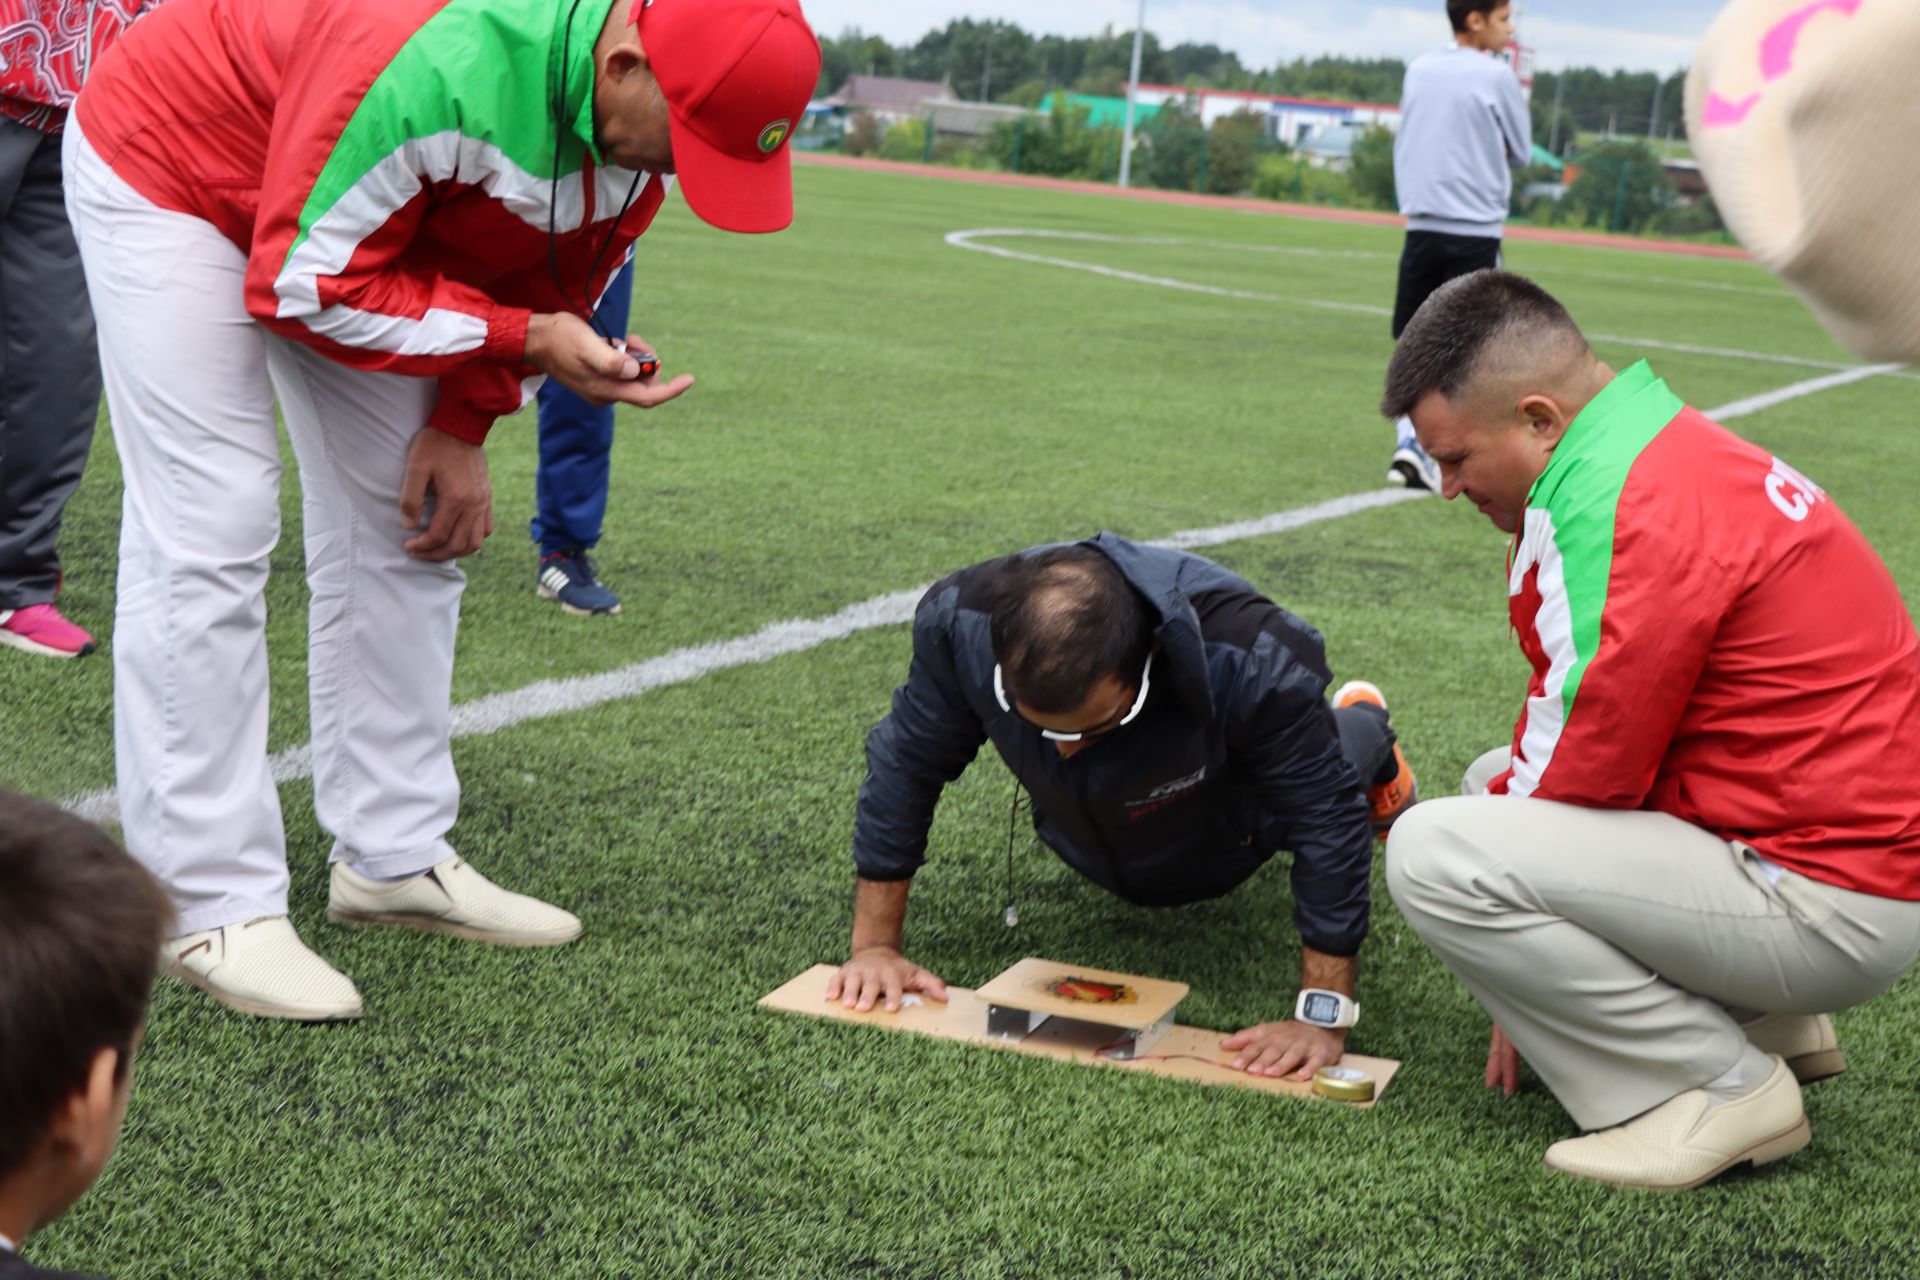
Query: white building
{"x": 1291, "y": 120}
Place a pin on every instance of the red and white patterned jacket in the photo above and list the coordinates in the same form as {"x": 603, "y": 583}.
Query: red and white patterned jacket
{"x": 46, "y": 50}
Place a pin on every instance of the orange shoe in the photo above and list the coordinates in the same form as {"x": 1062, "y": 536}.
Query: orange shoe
{"x": 1390, "y": 799}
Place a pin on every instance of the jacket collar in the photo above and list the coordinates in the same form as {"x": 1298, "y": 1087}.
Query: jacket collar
{"x": 576, "y": 27}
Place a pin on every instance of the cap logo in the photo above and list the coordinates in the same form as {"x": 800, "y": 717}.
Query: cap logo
{"x": 774, "y": 134}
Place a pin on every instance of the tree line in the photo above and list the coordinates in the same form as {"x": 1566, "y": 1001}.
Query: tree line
{"x": 1002, "y": 62}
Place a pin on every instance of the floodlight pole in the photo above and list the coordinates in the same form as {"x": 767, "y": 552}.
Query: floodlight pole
{"x": 1133, "y": 92}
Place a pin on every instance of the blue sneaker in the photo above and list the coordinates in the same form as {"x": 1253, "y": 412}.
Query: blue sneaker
{"x": 567, "y": 576}
{"x": 1413, "y": 468}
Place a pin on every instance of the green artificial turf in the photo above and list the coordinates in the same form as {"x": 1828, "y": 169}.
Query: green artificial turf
{"x": 876, "y": 408}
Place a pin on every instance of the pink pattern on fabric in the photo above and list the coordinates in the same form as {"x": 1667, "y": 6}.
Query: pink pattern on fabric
{"x": 1778, "y": 45}
{"x": 1721, "y": 114}
{"x": 1777, "y": 48}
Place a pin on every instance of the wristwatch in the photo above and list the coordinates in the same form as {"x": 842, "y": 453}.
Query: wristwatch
{"x": 1329, "y": 1009}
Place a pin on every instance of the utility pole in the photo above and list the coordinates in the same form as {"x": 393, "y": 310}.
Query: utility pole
{"x": 1659, "y": 89}
{"x": 1553, "y": 128}
{"x": 1133, "y": 92}
{"x": 986, "y": 71}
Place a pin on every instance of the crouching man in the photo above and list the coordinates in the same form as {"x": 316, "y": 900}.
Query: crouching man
{"x": 1704, "y": 836}
{"x": 1172, "y": 728}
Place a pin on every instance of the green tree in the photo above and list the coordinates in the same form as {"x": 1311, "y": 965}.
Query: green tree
{"x": 1621, "y": 187}
{"x": 1175, "y": 145}
{"x": 1059, "y": 144}
{"x": 1206, "y": 64}
{"x": 1293, "y": 178}
{"x": 905, "y": 141}
{"x": 1372, "y": 171}
{"x": 1028, "y": 93}
{"x": 864, "y": 135}
{"x": 1233, "y": 148}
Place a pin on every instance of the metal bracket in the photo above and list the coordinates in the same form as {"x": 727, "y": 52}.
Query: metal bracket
{"x": 1012, "y": 1024}
{"x": 1133, "y": 1044}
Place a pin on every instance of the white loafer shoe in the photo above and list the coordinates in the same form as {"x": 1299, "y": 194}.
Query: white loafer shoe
{"x": 450, "y": 898}
{"x": 1687, "y": 1140}
{"x": 261, "y": 967}
{"x": 1806, "y": 1041}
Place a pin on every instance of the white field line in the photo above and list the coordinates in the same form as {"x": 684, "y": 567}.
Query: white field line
{"x": 1309, "y": 251}
{"x": 970, "y": 240}
{"x": 547, "y": 698}
{"x": 1768, "y": 399}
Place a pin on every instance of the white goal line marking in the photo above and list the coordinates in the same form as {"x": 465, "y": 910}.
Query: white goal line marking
{"x": 969, "y": 239}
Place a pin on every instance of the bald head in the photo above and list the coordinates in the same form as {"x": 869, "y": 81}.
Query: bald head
{"x": 1064, "y": 620}
{"x": 1487, "y": 339}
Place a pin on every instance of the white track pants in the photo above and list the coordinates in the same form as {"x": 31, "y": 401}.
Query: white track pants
{"x": 191, "y": 382}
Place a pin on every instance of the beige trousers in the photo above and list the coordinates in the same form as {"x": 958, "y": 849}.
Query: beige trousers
{"x": 1609, "y": 945}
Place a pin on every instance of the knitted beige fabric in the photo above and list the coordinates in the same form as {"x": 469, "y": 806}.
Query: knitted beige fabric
{"x": 1803, "y": 115}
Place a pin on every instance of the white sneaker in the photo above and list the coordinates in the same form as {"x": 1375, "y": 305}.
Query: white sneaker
{"x": 1412, "y": 467}
{"x": 261, "y": 967}
{"x": 1685, "y": 1141}
{"x": 450, "y": 898}
{"x": 1806, "y": 1041}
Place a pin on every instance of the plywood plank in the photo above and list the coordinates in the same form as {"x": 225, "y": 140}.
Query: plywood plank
{"x": 1184, "y": 1053}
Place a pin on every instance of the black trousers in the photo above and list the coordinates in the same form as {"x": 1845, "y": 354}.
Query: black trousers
{"x": 1366, "y": 740}
{"x": 1432, "y": 258}
{"x": 49, "y": 370}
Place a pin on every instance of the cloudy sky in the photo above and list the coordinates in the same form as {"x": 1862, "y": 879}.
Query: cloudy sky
{"x": 1637, "y": 34}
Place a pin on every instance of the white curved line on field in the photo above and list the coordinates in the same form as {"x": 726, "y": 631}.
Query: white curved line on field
{"x": 970, "y": 239}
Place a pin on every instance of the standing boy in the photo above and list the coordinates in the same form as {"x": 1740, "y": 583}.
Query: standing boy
{"x": 80, "y": 931}
{"x": 1464, "y": 128}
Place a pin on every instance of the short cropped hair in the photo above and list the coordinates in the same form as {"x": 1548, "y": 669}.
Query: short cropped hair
{"x": 81, "y": 925}
{"x": 1444, "y": 343}
{"x": 1458, "y": 10}
{"x": 1063, "y": 620}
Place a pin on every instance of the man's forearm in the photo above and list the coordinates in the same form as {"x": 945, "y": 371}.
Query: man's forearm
{"x": 879, "y": 914}
{"x": 1329, "y": 973}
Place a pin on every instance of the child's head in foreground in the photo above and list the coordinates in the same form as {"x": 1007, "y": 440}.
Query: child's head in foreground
{"x": 80, "y": 930}
{"x": 1487, "y": 25}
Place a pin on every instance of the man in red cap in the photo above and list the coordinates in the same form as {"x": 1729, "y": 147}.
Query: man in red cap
{"x": 395, "y": 216}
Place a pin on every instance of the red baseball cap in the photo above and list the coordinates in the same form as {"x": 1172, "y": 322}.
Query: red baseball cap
{"x": 737, "y": 75}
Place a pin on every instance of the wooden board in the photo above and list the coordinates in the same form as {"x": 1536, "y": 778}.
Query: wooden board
{"x": 1184, "y": 1053}
{"x": 1085, "y": 995}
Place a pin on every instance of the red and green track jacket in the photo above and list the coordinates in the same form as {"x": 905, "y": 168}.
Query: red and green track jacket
{"x": 1712, "y": 638}
{"x": 385, "y": 166}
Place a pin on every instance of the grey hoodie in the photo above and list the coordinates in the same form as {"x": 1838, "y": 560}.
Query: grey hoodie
{"x": 1464, "y": 128}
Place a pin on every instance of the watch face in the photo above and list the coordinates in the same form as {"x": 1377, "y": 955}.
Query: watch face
{"x": 1322, "y": 1008}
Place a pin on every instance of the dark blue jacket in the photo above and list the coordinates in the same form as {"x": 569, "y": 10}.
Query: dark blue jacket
{"x": 1235, "y": 755}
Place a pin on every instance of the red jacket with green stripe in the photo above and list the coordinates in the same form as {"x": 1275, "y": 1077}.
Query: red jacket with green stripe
{"x": 385, "y": 165}
{"x": 1712, "y": 638}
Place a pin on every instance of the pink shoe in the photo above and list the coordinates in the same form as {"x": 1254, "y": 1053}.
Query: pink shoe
{"x": 40, "y": 629}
